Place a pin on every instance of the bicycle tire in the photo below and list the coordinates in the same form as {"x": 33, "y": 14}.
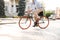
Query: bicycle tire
{"x": 27, "y": 26}
{"x": 46, "y": 25}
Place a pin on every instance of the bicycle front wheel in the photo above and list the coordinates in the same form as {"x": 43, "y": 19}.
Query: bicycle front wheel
{"x": 43, "y": 22}
{"x": 24, "y": 23}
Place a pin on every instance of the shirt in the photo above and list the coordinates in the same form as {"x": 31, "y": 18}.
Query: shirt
{"x": 33, "y": 7}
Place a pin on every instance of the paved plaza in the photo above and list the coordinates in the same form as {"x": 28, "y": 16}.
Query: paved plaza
{"x": 10, "y": 30}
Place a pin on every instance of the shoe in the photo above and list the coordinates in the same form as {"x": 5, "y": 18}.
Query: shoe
{"x": 35, "y": 24}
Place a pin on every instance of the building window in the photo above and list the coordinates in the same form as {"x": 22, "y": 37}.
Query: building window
{"x": 17, "y": 8}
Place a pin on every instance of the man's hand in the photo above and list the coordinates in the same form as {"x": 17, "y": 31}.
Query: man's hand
{"x": 28, "y": 11}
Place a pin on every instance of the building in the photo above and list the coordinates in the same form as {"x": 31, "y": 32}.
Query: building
{"x": 11, "y": 7}
{"x": 58, "y": 12}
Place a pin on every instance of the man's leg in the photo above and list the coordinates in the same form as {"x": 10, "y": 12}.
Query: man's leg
{"x": 41, "y": 16}
{"x": 36, "y": 18}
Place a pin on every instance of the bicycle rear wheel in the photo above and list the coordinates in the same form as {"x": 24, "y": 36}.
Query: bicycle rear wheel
{"x": 43, "y": 22}
{"x": 24, "y": 23}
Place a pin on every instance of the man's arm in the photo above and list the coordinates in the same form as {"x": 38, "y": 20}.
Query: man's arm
{"x": 28, "y": 11}
{"x": 28, "y": 8}
{"x": 39, "y": 7}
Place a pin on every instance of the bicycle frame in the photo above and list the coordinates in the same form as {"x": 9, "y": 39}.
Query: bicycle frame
{"x": 30, "y": 22}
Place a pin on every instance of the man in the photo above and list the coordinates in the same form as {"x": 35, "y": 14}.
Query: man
{"x": 36, "y": 9}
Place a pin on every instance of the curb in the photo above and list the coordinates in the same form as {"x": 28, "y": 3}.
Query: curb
{"x": 8, "y": 23}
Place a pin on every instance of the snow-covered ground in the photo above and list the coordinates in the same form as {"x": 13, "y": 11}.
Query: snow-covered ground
{"x": 10, "y": 30}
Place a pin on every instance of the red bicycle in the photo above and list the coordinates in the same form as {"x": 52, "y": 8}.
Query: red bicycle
{"x": 25, "y": 22}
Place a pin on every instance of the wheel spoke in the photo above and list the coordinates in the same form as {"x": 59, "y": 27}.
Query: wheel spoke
{"x": 24, "y": 23}
{"x": 43, "y": 22}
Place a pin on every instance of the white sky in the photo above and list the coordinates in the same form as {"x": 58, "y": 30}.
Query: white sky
{"x": 51, "y": 4}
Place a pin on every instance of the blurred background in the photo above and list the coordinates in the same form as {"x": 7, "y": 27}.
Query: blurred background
{"x": 9, "y": 19}
{"x": 9, "y": 8}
